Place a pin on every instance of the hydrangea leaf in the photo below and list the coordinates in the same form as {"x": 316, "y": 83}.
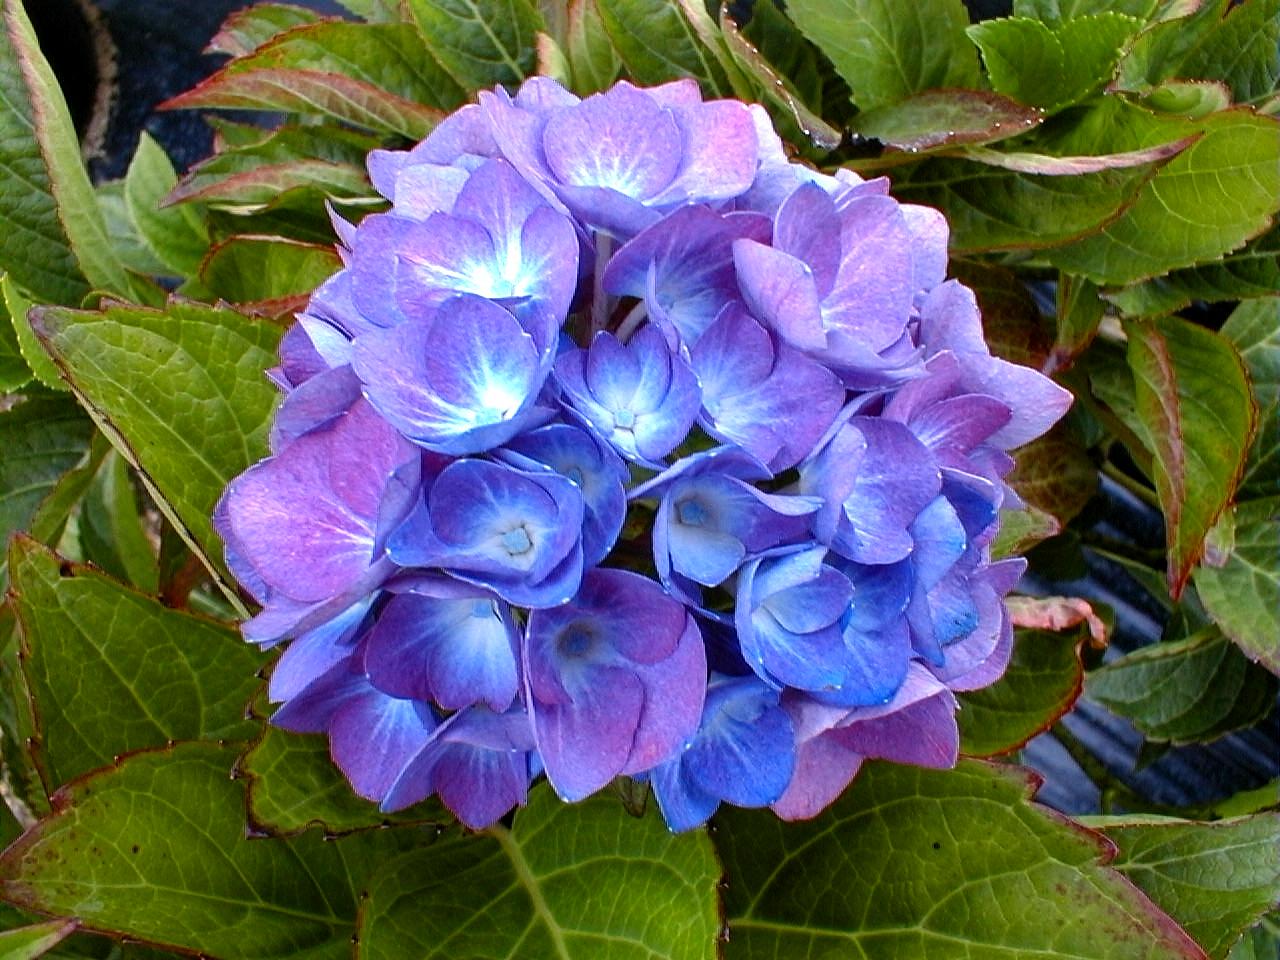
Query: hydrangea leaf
{"x": 375, "y": 11}
{"x": 1251, "y": 271}
{"x": 42, "y": 438}
{"x": 657, "y": 43}
{"x": 933, "y": 119}
{"x": 1190, "y": 98}
{"x": 156, "y": 674}
{"x": 1254, "y": 329}
{"x": 293, "y": 784}
{"x": 26, "y": 943}
{"x": 271, "y": 276}
{"x": 775, "y": 87}
{"x": 14, "y": 371}
{"x": 256, "y": 169}
{"x": 1237, "y": 44}
{"x": 480, "y": 42}
{"x": 1240, "y": 587}
{"x": 583, "y": 880}
{"x": 933, "y": 862}
{"x": 181, "y": 394}
{"x": 593, "y": 61}
{"x": 989, "y": 210}
{"x": 1055, "y": 474}
{"x": 1020, "y": 530}
{"x": 1055, "y": 11}
{"x": 18, "y": 305}
{"x": 1192, "y": 396}
{"x": 1052, "y": 68}
{"x": 1260, "y": 943}
{"x": 177, "y": 237}
{"x": 112, "y": 532}
{"x": 1185, "y": 691}
{"x": 1079, "y": 315}
{"x": 1042, "y": 682}
{"x": 56, "y": 244}
{"x": 154, "y": 849}
{"x": 887, "y": 51}
{"x": 246, "y": 30}
{"x": 1210, "y": 199}
{"x": 379, "y": 77}
{"x": 1216, "y": 879}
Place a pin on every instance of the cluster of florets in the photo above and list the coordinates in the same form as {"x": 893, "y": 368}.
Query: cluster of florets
{"x": 623, "y": 446}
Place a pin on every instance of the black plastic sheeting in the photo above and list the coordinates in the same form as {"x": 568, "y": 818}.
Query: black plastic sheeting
{"x": 158, "y": 47}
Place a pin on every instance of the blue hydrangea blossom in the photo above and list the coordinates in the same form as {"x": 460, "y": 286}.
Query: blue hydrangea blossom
{"x": 622, "y": 445}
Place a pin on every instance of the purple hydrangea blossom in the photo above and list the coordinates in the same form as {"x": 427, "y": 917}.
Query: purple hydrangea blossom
{"x": 624, "y": 446}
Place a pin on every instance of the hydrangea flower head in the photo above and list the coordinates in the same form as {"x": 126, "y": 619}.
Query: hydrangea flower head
{"x": 624, "y": 446}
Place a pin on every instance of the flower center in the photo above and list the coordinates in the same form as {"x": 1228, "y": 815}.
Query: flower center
{"x": 624, "y": 419}
{"x": 516, "y": 541}
{"x": 691, "y": 512}
{"x": 576, "y": 641}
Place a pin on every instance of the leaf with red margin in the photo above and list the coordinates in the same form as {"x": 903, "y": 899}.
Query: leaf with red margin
{"x": 1057, "y": 613}
{"x": 246, "y": 30}
{"x": 292, "y": 784}
{"x": 1044, "y": 679}
{"x": 1192, "y": 396}
{"x": 111, "y": 670}
{"x": 381, "y": 77}
{"x": 1023, "y": 162}
{"x": 267, "y": 276}
{"x": 154, "y": 849}
{"x": 934, "y": 863}
{"x": 27, "y": 943}
{"x": 934, "y": 119}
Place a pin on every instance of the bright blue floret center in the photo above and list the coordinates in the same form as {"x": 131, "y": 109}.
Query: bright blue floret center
{"x": 516, "y": 541}
{"x": 691, "y": 513}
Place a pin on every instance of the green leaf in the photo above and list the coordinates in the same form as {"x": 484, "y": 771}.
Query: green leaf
{"x": 1210, "y": 199}
{"x": 480, "y": 42}
{"x": 270, "y": 274}
{"x": 380, "y": 77}
{"x": 54, "y": 240}
{"x": 1052, "y": 68}
{"x": 888, "y": 51}
{"x": 177, "y": 237}
{"x": 1020, "y": 530}
{"x": 375, "y": 11}
{"x": 293, "y": 784}
{"x": 1189, "y": 98}
{"x": 1216, "y": 879}
{"x": 1251, "y": 271}
{"x": 1242, "y": 50}
{"x": 1055, "y": 474}
{"x": 1240, "y": 582}
{"x": 1185, "y": 691}
{"x": 156, "y": 674}
{"x": 276, "y": 167}
{"x": 1055, "y": 11}
{"x": 932, "y": 863}
{"x": 113, "y": 535}
{"x": 798, "y": 121}
{"x": 1193, "y": 397}
{"x": 593, "y": 61}
{"x": 50, "y": 518}
{"x": 246, "y": 30}
{"x": 933, "y": 119}
{"x": 1042, "y": 682}
{"x": 42, "y": 438}
{"x": 18, "y": 306}
{"x": 14, "y": 371}
{"x": 155, "y": 849}
{"x": 1260, "y": 943}
{"x": 1079, "y": 314}
{"x": 582, "y": 880}
{"x": 657, "y": 43}
{"x": 1254, "y": 329}
{"x": 26, "y": 943}
{"x": 180, "y": 393}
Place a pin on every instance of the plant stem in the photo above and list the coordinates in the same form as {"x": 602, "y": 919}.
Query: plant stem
{"x": 1143, "y": 493}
